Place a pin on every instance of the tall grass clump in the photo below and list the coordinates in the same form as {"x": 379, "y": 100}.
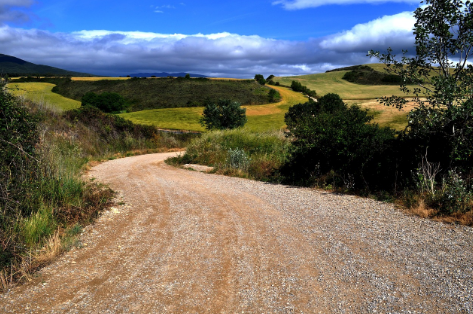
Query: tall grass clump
{"x": 239, "y": 152}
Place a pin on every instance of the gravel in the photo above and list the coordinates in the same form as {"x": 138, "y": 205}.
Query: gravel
{"x": 191, "y": 242}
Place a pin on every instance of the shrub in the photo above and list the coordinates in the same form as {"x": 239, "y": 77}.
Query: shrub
{"x": 107, "y": 102}
{"x": 329, "y": 137}
{"x": 274, "y": 96}
{"x": 456, "y": 195}
{"x": 225, "y": 114}
{"x": 260, "y": 79}
{"x": 238, "y": 159}
{"x": 263, "y": 153}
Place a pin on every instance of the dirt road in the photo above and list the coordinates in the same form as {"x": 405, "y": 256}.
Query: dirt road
{"x": 189, "y": 242}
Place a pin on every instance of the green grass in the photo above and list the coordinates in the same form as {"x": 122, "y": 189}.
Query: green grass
{"x": 260, "y": 152}
{"x": 260, "y": 117}
{"x": 332, "y": 82}
{"x": 41, "y": 93}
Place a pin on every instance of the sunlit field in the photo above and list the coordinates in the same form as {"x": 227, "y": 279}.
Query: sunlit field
{"x": 332, "y": 82}
{"x": 41, "y": 93}
{"x": 260, "y": 117}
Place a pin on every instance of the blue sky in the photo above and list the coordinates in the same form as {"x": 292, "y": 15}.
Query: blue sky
{"x": 216, "y": 38}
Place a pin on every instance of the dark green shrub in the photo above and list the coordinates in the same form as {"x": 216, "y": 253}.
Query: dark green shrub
{"x": 274, "y": 96}
{"x": 332, "y": 137}
{"x": 107, "y": 102}
{"x": 18, "y": 157}
{"x": 225, "y": 114}
{"x": 260, "y": 79}
{"x": 352, "y": 76}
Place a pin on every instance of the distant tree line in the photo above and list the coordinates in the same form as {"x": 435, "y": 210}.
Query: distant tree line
{"x": 298, "y": 87}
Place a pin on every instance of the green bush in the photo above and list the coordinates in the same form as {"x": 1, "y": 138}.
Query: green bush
{"x": 107, "y": 102}
{"x": 298, "y": 87}
{"x": 238, "y": 159}
{"x": 260, "y": 79}
{"x": 225, "y": 114}
{"x": 274, "y": 96}
{"x": 330, "y": 137}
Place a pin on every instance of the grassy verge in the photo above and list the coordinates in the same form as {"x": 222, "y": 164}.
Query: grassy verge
{"x": 239, "y": 152}
{"x": 44, "y": 202}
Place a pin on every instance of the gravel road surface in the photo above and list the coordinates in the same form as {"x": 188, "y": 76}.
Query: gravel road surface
{"x": 190, "y": 242}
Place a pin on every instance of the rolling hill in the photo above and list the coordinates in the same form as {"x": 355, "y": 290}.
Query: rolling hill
{"x": 14, "y": 66}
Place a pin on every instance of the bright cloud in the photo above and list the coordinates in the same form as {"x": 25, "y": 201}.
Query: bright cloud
{"x": 304, "y": 4}
{"x": 388, "y": 31}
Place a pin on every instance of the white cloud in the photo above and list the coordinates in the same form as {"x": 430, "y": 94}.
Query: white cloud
{"x": 105, "y": 52}
{"x": 304, "y": 4}
{"x": 158, "y": 11}
{"x": 391, "y": 30}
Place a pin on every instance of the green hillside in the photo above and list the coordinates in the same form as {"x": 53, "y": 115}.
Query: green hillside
{"x": 159, "y": 93}
{"x": 332, "y": 82}
{"x": 17, "y": 67}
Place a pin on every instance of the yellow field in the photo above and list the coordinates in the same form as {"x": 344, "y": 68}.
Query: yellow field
{"x": 41, "y": 93}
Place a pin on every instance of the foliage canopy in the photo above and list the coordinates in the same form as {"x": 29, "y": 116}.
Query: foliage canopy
{"x": 442, "y": 120}
{"x": 225, "y": 114}
{"x": 107, "y": 102}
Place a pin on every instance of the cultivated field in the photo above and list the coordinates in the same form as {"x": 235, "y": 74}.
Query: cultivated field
{"x": 260, "y": 117}
{"x": 41, "y": 93}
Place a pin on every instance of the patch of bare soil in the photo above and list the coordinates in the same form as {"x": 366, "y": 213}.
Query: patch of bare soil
{"x": 190, "y": 242}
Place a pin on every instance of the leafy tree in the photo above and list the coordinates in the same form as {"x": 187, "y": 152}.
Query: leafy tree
{"x": 269, "y": 78}
{"x": 260, "y": 79}
{"x": 107, "y": 102}
{"x": 441, "y": 122}
{"x": 225, "y": 114}
{"x": 188, "y": 76}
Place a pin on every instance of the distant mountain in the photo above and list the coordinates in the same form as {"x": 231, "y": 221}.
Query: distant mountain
{"x": 164, "y": 74}
{"x": 17, "y": 67}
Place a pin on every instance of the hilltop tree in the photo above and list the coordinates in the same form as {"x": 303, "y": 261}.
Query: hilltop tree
{"x": 442, "y": 122}
{"x": 225, "y": 114}
{"x": 260, "y": 79}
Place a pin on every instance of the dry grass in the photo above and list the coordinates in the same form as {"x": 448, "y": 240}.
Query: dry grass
{"x": 422, "y": 210}
{"x": 386, "y": 116}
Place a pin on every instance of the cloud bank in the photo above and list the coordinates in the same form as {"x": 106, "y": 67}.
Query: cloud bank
{"x": 105, "y": 52}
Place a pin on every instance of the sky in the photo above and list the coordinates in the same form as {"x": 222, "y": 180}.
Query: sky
{"x": 215, "y": 38}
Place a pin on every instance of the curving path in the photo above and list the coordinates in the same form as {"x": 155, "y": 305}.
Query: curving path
{"x": 189, "y": 242}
